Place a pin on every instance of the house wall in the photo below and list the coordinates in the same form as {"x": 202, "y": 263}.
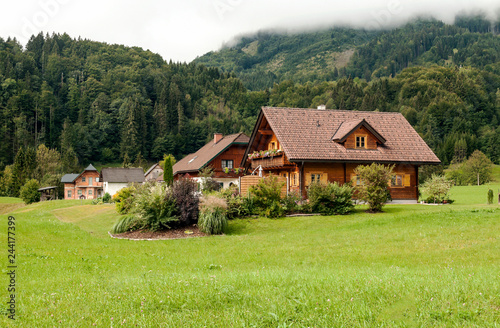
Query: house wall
{"x": 155, "y": 173}
{"x": 112, "y": 187}
{"x": 371, "y": 141}
{"x": 83, "y": 186}
{"x": 334, "y": 172}
{"x": 234, "y": 153}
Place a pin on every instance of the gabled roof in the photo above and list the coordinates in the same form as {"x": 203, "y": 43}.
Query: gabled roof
{"x": 69, "y": 178}
{"x": 90, "y": 168}
{"x": 306, "y": 135}
{"x": 347, "y": 128}
{"x": 152, "y": 168}
{"x": 122, "y": 175}
{"x": 195, "y": 162}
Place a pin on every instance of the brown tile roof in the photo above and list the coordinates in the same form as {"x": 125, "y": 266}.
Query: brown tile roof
{"x": 195, "y": 162}
{"x": 307, "y": 134}
{"x": 122, "y": 175}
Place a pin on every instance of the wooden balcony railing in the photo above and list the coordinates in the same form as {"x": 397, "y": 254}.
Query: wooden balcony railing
{"x": 269, "y": 162}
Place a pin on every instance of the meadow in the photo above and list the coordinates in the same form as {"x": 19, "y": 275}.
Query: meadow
{"x": 411, "y": 266}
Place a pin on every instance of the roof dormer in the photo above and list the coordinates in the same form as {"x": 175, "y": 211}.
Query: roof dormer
{"x": 358, "y": 134}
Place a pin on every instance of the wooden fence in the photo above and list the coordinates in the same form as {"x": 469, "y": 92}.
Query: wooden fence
{"x": 252, "y": 180}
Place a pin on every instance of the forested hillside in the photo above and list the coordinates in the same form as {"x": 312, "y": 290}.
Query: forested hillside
{"x": 93, "y": 102}
{"x": 269, "y": 57}
{"x": 102, "y": 101}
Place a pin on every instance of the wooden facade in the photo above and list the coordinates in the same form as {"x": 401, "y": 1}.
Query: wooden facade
{"x": 321, "y": 146}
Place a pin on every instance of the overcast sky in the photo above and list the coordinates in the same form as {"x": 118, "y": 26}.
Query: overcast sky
{"x": 181, "y": 30}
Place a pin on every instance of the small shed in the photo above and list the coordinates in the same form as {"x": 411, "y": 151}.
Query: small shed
{"x": 48, "y": 193}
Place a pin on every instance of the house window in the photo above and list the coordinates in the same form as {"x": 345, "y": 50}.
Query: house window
{"x": 294, "y": 179}
{"x": 83, "y": 179}
{"x": 90, "y": 192}
{"x": 397, "y": 180}
{"x": 272, "y": 145}
{"x": 69, "y": 193}
{"x": 227, "y": 163}
{"x": 360, "y": 141}
{"x": 356, "y": 180}
{"x": 315, "y": 177}
{"x": 90, "y": 181}
{"x": 79, "y": 192}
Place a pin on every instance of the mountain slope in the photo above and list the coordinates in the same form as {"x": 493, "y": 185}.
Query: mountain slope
{"x": 269, "y": 57}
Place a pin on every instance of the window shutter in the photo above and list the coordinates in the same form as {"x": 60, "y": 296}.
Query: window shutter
{"x": 308, "y": 179}
{"x": 324, "y": 178}
{"x": 406, "y": 181}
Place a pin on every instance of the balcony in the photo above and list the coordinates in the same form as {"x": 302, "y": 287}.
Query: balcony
{"x": 270, "y": 162}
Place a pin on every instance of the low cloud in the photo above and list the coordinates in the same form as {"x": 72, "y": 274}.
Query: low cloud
{"x": 183, "y": 30}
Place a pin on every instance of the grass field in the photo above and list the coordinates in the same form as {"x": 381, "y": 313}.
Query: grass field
{"x": 414, "y": 265}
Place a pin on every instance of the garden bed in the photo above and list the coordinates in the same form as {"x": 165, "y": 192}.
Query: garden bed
{"x": 179, "y": 233}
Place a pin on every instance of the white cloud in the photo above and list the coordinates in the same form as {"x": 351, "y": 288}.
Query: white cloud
{"x": 182, "y": 30}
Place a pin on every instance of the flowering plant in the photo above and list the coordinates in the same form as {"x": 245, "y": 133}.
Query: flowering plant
{"x": 227, "y": 170}
{"x": 265, "y": 153}
{"x": 238, "y": 170}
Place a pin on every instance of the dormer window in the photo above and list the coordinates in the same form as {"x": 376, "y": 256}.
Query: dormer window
{"x": 360, "y": 141}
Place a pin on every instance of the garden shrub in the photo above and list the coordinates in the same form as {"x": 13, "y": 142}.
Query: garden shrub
{"x": 29, "y": 192}
{"x": 106, "y": 198}
{"x": 291, "y": 202}
{"x": 213, "y": 218}
{"x": 274, "y": 211}
{"x": 124, "y": 199}
{"x": 267, "y": 194}
{"x": 156, "y": 205}
{"x": 184, "y": 191}
{"x": 97, "y": 201}
{"x": 208, "y": 184}
{"x": 490, "y": 196}
{"x": 436, "y": 189}
{"x": 330, "y": 198}
{"x": 374, "y": 187}
{"x": 128, "y": 223}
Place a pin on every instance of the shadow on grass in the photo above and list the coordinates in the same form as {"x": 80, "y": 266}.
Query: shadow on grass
{"x": 238, "y": 227}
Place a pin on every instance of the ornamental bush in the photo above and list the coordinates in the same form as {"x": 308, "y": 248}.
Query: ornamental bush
{"x": 29, "y": 192}
{"x": 124, "y": 199}
{"x": 213, "y": 218}
{"x": 436, "y": 189}
{"x": 184, "y": 191}
{"x": 374, "y": 187}
{"x": 106, "y": 198}
{"x": 128, "y": 223}
{"x": 330, "y": 198}
{"x": 267, "y": 194}
{"x": 156, "y": 205}
{"x": 490, "y": 196}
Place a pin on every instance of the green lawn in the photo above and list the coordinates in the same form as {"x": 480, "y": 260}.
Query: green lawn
{"x": 413, "y": 265}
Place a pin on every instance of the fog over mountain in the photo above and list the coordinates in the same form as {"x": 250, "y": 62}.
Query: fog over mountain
{"x": 183, "y": 30}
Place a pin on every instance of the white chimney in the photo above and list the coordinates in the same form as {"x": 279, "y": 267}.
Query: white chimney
{"x": 322, "y": 107}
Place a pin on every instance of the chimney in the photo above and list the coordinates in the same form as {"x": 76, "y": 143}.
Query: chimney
{"x": 218, "y": 137}
{"x": 322, "y": 107}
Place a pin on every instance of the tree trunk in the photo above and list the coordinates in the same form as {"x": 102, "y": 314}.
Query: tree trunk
{"x": 478, "y": 178}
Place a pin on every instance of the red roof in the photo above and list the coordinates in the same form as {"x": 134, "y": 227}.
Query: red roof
{"x": 307, "y": 135}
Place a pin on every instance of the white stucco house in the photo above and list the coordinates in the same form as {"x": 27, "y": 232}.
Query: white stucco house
{"x": 115, "y": 178}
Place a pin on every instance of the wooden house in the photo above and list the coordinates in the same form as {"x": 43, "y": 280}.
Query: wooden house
{"x": 85, "y": 185}
{"x": 308, "y": 145}
{"x": 224, "y": 154}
